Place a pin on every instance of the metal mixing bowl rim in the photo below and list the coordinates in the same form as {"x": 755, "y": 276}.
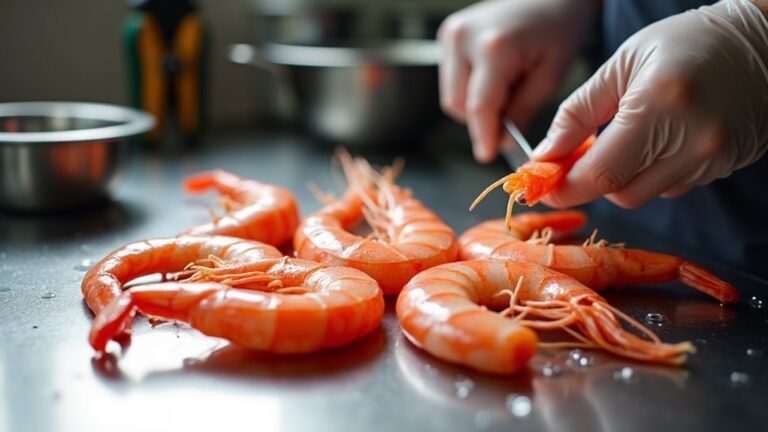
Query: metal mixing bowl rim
{"x": 395, "y": 52}
{"x": 131, "y": 122}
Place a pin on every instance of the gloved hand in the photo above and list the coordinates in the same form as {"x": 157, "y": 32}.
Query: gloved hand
{"x": 506, "y": 57}
{"x": 688, "y": 99}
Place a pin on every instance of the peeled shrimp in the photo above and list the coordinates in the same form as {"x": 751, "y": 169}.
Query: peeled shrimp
{"x": 596, "y": 264}
{"x": 407, "y": 237}
{"x": 534, "y": 179}
{"x": 285, "y": 305}
{"x": 104, "y": 281}
{"x": 444, "y": 310}
{"x": 255, "y": 210}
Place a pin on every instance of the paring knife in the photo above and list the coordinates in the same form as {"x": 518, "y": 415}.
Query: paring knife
{"x": 516, "y": 151}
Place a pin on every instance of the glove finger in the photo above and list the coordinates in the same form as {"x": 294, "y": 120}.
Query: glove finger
{"x": 677, "y": 191}
{"x": 618, "y": 154}
{"x": 663, "y": 175}
{"x": 454, "y": 70}
{"x": 486, "y": 95}
{"x": 579, "y": 116}
{"x": 531, "y": 93}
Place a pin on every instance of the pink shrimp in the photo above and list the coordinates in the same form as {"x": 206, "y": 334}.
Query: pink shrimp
{"x": 534, "y": 179}
{"x": 104, "y": 281}
{"x": 255, "y": 210}
{"x": 443, "y": 310}
{"x": 407, "y": 237}
{"x": 596, "y": 264}
{"x": 281, "y": 305}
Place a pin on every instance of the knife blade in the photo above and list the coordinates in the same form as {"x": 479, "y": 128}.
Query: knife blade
{"x": 516, "y": 151}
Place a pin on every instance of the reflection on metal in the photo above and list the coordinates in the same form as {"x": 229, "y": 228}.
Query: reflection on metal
{"x": 49, "y": 382}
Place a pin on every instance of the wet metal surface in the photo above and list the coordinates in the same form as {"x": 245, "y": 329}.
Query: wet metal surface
{"x": 173, "y": 378}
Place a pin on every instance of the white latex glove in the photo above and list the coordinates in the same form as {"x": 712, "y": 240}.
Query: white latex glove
{"x": 506, "y": 57}
{"x": 688, "y": 99}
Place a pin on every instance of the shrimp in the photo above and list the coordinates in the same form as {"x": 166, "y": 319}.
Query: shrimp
{"x": 255, "y": 210}
{"x": 596, "y": 264}
{"x": 407, "y": 237}
{"x": 283, "y": 305}
{"x": 104, "y": 282}
{"x": 534, "y": 179}
{"x": 444, "y": 310}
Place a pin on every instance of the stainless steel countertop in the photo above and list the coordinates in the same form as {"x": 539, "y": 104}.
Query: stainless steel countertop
{"x": 173, "y": 378}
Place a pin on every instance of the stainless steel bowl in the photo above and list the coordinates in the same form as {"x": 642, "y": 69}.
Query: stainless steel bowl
{"x": 55, "y": 155}
{"x": 356, "y": 93}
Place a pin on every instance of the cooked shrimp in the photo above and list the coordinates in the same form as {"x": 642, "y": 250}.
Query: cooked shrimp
{"x": 104, "y": 281}
{"x": 286, "y": 305}
{"x": 596, "y": 264}
{"x": 534, "y": 179}
{"x": 443, "y": 311}
{"x": 254, "y": 210}
{"x": 407, "y": 237}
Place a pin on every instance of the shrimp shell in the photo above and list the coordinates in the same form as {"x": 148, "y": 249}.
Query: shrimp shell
{"x": 534, "y": 179}
{"x": 104, "y": 281}
{"x": 298, "y": 306}
{"x": 443, "y": 311}
{"x": 255, "y": 210}
{"x": 595, "y": 264}
{"x": 407, "y": 237}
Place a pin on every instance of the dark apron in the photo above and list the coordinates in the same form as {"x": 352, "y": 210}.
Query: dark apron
{"x": 726, "y": 220}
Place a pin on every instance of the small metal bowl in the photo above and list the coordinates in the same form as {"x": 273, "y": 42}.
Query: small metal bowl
{"x": 56, "y": 155}
{"x": 355, "y": 93}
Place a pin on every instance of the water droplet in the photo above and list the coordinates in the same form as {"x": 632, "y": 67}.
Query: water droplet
{"x": 551, "y": 370}
{"x": 84, "y": 265}
{"x": 740, "y": 379}
{"x": 755, "y": 352}
{"x": 578, "y": 360}
{"x": 756, "y": 303}
{"x": 34, "y": 326}
{"x": 655, "y": 318}
{"x": 626, "y": 374}
{"x": 4, "y": 289}
{"x": 464, "y": 387}
{"x": 48, "y": 295}
{"x": 518, "y": 405}
{"x": 485, "y": 419}
{"x": 430, "y": 370}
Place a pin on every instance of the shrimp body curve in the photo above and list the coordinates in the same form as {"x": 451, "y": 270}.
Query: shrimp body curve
{"x": 444, "y": 310}
{"x": 254, "y": 210}
{"x": 596, "y": 264}
{"x": 104, "y": 281}
{"x": 407, "y": 237}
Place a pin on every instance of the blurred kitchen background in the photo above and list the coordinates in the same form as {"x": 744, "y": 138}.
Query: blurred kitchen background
{"x": 73, "y": 50}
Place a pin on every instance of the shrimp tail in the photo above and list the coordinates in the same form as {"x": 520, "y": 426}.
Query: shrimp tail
{"x": 706, "y": 282}
{"x": 113, "y": 321}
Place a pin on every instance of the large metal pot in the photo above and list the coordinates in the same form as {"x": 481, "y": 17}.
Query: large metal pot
{"x": 57, "y": 155}
{"x": 356, "y": 94}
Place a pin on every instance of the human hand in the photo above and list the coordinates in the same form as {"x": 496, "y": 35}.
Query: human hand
{"x": 688, "y": 99}
{"x": 504, "y": 57}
